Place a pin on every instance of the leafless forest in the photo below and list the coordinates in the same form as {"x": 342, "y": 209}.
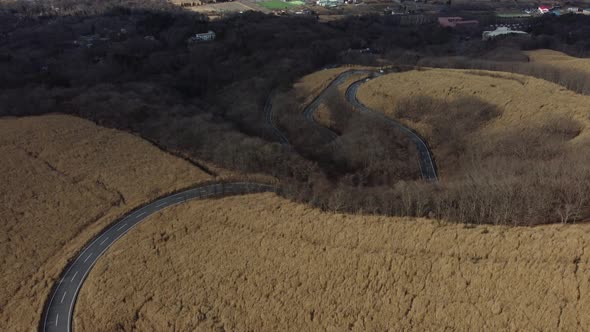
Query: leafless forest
{"x": 128, "y": 66}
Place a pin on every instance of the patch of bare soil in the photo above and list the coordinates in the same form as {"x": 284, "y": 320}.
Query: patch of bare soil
{"x": 63, "y": 180}
{"x": 261, "y": 263}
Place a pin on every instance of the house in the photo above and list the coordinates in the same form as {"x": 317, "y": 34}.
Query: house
{"x": 456, "y": 22}
{"x": 544, "y": 9}
{"x": 500, "y": 31}
{"x": 329, "y": 3}
{"x": 202, "y": 37}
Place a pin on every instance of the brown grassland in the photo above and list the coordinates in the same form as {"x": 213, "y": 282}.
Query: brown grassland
{"x": 559, "y": 59}
{"x": 262, "y": 263}
{"x": 524, "y": 103}
{"x": 63, "y": 180}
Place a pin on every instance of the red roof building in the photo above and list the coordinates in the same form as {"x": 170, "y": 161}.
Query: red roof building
{"x": 544, "y": 9}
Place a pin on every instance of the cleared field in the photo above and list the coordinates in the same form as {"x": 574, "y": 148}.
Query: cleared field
{"x": 261, "y": 263}
{"x": 223, "y": 7}
{"x": 278, "y": 4}
{"x": 559, "y": 59}
{"x": 524, "y": 102}
{"x": 63, "y": 180}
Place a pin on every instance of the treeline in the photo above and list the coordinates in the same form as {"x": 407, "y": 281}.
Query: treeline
{"x": 130, "y": 67}
{"x": 570, "y": 78}
{"x": 109, "y": 43}
{"x": 51, "y": 8}
{"x": 566, "y": 33}
{"x": 521, "y": 175}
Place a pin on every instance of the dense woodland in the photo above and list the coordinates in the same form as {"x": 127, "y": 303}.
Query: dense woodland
{"x": 128, "y": 65}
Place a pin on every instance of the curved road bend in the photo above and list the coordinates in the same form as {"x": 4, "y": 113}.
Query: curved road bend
{"x": 327, "y": 134}
{"x": 58, "y": 315}
{"x": 427, "y": 167}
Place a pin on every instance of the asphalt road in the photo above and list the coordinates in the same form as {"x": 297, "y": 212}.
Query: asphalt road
{"x": 59, "y": 310}
{"x": 427, "y": 167}
{"x": 58, "y": 314}
{"x": 269, "y": 119}
{"x": 325, "y": 132}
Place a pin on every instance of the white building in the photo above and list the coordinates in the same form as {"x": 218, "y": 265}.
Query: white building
{"x": 202, "y": 37}
{"x": 329, "y": 3}
{"x": 500, "y": 31}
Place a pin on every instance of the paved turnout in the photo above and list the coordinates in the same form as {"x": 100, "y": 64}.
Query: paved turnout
{"x": 427, "y": 167}
{"x": 59, "y": 310}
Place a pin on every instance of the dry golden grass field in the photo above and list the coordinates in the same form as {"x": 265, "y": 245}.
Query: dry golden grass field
{"x": 63, "y": 180}
{"x": 559, "y": 59}
{"x": 524, "y": 101}
{"x": 262, "y": 263}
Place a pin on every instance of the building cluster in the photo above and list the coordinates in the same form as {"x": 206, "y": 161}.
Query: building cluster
{"x": 457, "y": 22}
{"x": 557, "y": 10}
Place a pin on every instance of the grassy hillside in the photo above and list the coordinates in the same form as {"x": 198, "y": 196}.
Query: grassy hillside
{"x": 560, "y": 60}
{"x": 525, "y": 102}
{"x": 510, "y": 148}
{"x": 262, "y": 263}
{"x": 63, "y": 180}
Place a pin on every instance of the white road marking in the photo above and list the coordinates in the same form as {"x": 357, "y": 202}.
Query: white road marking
{"x": 163, "y": 203}
{"x": 56, "y": 318}
{"x": 125, "y": 224}
{"x": 88, "y": 257}
{"x": 181, "y": 196}
{"x": 141, "y": 214}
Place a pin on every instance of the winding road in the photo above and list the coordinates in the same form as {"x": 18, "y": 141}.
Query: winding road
{"x": 58, "y": 314}
{"x": 427, "y": 167}
{"x": 326, "y": 133}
